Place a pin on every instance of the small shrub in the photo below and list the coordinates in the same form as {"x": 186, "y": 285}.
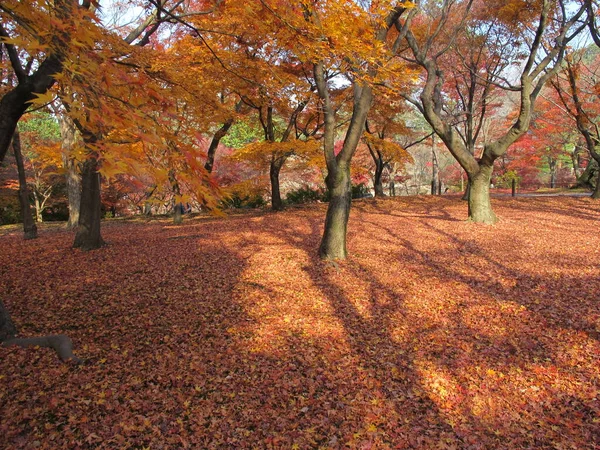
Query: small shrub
{"x": 361, "y": 191}
{"x": 305, "y": 194}
{"x": 239, "y": 200}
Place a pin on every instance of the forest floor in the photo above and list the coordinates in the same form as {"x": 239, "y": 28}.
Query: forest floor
{"x": 230, "y": 333}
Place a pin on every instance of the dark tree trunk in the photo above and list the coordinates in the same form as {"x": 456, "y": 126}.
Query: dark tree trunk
{"x": 88, "y": 235}
{"x": 214, "y": 144}
{"x": 552, "y": 166}
{"x": 392, "y": 189}
{"x": 29, "y": 226}
{"x": 15, "y": 102}
{"x": 178, "y": 206}
{"x": 333, "y": 244}
{"x": 378, "y": 182}
{"x": 275, "y": 169}
{"x": 480, "y": 206}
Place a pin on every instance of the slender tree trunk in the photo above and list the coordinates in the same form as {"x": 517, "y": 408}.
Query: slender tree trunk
{"x": 275, "y": 169}
{"x": 88, "y": 235}
{"x": 29, "y": 226}
{"x": 378, "y": 182}
{"x": 480, "y": 206}
{"x": 392, "y": 189}
{"x": 73, "y": 192}
{"x": 333, "y": 244}
{"x": 68, "y": 134}
{"x": 214, "y": 144}
{"x": 178, "y": 206}
{"x": 38, "y": 207}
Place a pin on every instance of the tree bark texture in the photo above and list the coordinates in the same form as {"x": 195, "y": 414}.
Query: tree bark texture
{"x": 274, "y": 170}
{"x": 378, "y": 182}
{"x": 68, "y": 134}
{"x": 333, "y": 244}
{"x": 88, "y": 235}
{"x": 15, "y": 102}
{"x": 29, "y": 226}
{"x": 480, "y": 206}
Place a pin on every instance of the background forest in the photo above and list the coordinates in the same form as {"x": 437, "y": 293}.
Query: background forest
{"x": 199, "y": 105}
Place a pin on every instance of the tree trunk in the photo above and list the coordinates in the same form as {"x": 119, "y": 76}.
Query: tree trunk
{"x": 333, "y": 244}
{"x": 29, "y": 226}
{"x": 68, "y": 134}
{"x": 15, "y": 102}
{"x": 178, "y": 214}
{"x": 38, "y": 207}
{"x": 392, "y": 189}
{"x": 73, "y": 192}
{"x": 596, "y": 193}
{"x": 465, "y": 196}
{"x": 585, "y": 179}
{"x": 378, "y": 183}
{"x": 275, "y": 169}
{"x": 214, "y": 144}
{"x": 480, "y": 206}
{"x": 88, "y": 232}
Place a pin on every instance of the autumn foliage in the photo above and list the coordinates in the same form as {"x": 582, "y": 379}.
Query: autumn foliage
{"x": 231, "y": 333}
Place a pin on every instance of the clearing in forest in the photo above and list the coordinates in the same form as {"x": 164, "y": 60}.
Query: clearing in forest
{"x": 231, "y": 333}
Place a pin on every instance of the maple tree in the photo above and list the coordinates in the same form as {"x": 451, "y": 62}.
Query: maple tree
{"x": 542, "y": 31}
{"x": 576, "y": 88}
{"x": 383, "y": 125}
{"x": 367, "y": 44}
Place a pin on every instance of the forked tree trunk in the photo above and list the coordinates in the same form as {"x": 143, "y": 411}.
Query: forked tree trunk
{"x": 29, "y": 226}
{"x": 88, "y": 235}
{"x": 275, "y": 169}
{"x": 480, "y": 206}
{"x": 333, "y": 244}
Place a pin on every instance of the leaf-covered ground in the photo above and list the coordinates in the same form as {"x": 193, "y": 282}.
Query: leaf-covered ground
{"x": 231, "y": 333}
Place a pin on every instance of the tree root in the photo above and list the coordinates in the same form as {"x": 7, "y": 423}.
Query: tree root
{"x": 60, "y": 343}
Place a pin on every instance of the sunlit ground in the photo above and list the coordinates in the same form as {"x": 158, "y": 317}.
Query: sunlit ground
{"x": 231, "y": 333}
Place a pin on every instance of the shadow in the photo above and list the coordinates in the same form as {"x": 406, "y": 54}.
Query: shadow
{"x": 233, "y": 334}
